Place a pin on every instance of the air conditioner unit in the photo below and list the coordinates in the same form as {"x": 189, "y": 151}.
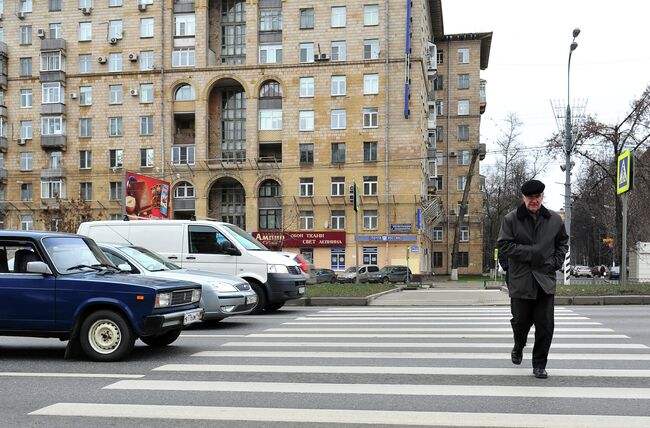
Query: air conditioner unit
{"x": 133, "y": 56}
{"x": 20, "y": 15}
{"x": 133, "y": 92}
{"x": 74, "y": 95}
{"x": 101, "y": 60}
{"x": 86, "y": 10}
{"x": 316, "y": 57}
{"x": 323, "y": 57}
{"x": 22, "y": 141}
{"x": 452, "y": 154}
{"x": 113, "y": 40}
{"x": 40, "y": 33}
{"x": 142, "y": 6}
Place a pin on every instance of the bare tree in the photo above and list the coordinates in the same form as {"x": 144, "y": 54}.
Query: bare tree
{"x": 65, "y": 215}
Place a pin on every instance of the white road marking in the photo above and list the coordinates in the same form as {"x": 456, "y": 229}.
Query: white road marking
{"x": 504, "y": 345}
{"x": 71, "y": 375}
{"x": 339, "y": 416}
{"x": 457, "y": 322}
{"x": 433, "y": 329}
{"x": 431, "y": 336}
{"x": 212, "y": 335}
{"x": 424, "y": 318}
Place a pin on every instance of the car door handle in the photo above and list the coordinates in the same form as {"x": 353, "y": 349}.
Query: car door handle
{"x": 190, "y": 258}
{"x": 172, "y": 257}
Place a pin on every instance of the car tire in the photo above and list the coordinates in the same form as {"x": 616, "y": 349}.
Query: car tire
{"x": 272, "y": 307}
{"x": 106, "y": 336}
{"x": 261, "y": 298}
{"x": 385, "y": 280}
{"x": 162, "y": 339}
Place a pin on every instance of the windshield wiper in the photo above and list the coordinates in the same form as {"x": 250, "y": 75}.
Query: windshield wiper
{"x": 107, "y": 266}
{"x": 94, "y": 267}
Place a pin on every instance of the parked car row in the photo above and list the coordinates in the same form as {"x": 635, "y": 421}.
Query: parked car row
{"x": 372, "y": 273}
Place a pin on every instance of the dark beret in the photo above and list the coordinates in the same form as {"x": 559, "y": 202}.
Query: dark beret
{"x": 532, "y": 187}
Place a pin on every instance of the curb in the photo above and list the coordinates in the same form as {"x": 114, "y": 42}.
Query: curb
{"x": 338, "y": 301}
{"x": 603, "y": 300}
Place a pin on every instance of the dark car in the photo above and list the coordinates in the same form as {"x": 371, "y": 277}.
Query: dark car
{"x": 325, "y": 275}
{"x": 62, "y": 285}
{"x": 396, "y": 273}
{"x": 615, "y": 272}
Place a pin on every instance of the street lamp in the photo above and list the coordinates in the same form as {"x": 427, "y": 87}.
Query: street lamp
{"x": 568, "y": 142}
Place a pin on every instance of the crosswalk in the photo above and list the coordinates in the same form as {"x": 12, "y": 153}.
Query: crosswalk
{"x": 387, "y": 366}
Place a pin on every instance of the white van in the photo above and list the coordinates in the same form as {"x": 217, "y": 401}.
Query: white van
{"x": 210, "y": 246}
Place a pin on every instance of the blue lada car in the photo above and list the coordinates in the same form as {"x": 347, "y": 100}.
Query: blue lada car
{"x": 63, "y": 286}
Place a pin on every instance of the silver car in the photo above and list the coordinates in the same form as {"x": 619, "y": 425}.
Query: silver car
{"x": 222, "y": 295}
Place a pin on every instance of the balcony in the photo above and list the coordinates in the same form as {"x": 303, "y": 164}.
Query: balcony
{"x": 3, "y": 111}
{"x": 52, "y": 173}
{"x": 53, "y": 108}
{"x": 431, "y": 152}
{"x": 184, "y": 204}
{"x": 482, "y": 96}
{"x": 53, "y": 44}
{"x": 4, "y": 50}
{"x": 52, "y": 76}
{"x": 3, "y": 174}
{"x": 184, "y": 6}
{"x": 54, "y": 141}
{"x": 4, "y": 144}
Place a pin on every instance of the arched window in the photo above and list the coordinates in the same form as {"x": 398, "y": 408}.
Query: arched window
{"x": 270, "y": 189}
{"x": 270, "y": 106}
{"x": 184, "y": 190}
{"x": 185, "y": 93}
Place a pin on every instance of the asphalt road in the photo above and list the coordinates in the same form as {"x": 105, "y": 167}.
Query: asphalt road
{"x": 342, "y": 366}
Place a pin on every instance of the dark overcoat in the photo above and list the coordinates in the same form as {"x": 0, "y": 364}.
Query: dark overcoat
{"x": 535, "y": 247}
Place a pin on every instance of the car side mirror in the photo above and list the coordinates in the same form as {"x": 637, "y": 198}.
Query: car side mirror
{"x": 124, "y": 267}
{"x": 228, "y": 248}
{"x": 38, "y": 267}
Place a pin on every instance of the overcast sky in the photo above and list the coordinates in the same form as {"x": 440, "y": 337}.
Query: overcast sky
{"x": 528, "y": 63}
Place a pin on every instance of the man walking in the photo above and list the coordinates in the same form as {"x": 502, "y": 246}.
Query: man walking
{"x": 535, "y": 242}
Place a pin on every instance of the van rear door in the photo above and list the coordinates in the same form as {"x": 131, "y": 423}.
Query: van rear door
{"x": 203, "y": 249}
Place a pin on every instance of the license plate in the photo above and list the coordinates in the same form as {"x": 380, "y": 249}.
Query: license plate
{"x": 191, "y": 317}
{"x": 301, "y": 290}
{"x": 251, "y": 299}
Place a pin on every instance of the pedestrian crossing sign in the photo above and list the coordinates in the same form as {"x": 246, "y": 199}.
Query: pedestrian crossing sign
{"x": 624, "y": 172}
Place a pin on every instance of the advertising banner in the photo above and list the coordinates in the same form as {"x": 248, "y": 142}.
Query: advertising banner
{"x": 146, "y": 197}
{"x": 300, "y": 239}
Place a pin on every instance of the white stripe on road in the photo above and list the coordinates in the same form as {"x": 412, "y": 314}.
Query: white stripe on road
{"x": 431, "y": 330}
{"x": 508, "y": 345}
{"x": 212, "y": 335}
{"x": 71, "y": 375}
{"x": 474, "y": 309}
{"x": 458, "y": 322}
{"x": 431, "y": 336}
{"x": 415, "y": 355}
{"x": 383, "y": 370}
{"x": 424, "y": 318}
{"x": 339, "y": 416}
{"x": 518, "y": 391}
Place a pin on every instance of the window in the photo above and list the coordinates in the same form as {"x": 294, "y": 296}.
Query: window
{"x": 184, "y": 25}
{"x": 463, "y": 56}
{"x": 339, "y": 50}
{"x": 271, "y": 54}
{"x": 460, "y": 182}
{"x": 463, "y": 107}
{"x": 185, "y": 93}
{"x": 463, "y": 132}
{"x": 146, "y": 60}
{"x": 462, "y": 258}
{"x": 307, "y": 220}
{"x": 306, "y": 186}
{"x": 306, "y": 19}
{"x": 115, "y": 94}
{"x": 85, "y": 3}
{"x": 306, "y": 87}
{"x": 184, "y": 191}
{"x": 146, "y": 93}
{"x": 270, "y": 189}
{"x": 338, "y": 186}
{"x": 146, "y": 125}
{"x": 464, "y": 234}
{"x": 370, "y": 185}
{"x": 55, "y": 30}
{"x": 85, "y": 31}
{"x": 146, "y": 158}
{"x": 270, "y": 120}
{"x": 85, "y": 159}
{"x": 436, "y": 259}
{"x": 463, "y": 81}
{"x": 55, "y": 6}
{"x": 26, "y": 222}
{"x": 370, "y": 151}
{"x": 26, "y": 162}
{"x": 371, "y": 49}
{"x": 115, "y": 127}
{"x": 370, "y": 256}
{"x": 85, "y": 191}
{"x": 370, "y": 117}
{"x": 338, "y": 85}
{"x": 440, "y": 108}
{"x": 26, "y": 130}
{"x": 369, "y": 219}
{"x": 338, "y": 220}
{"x": 438, "y": 83}
{"x": 115, "y": 158}
{"x": 338, "y": 16}
{"x": 115, "y": 29}
{"x": 26, "y": 192}
{"x": 115, "y": 62}
{"x": 370, "y": 14}
{"x": 338, "y": 152}
{"x": 85, "y": 95}
{"x": 306, "y": 153}
{"x": 183, "y": 57}
{"x": 25, "y": 98}
{"x": 337, "y": 258}
{"x": 440, "y": 158}
{"x": 52, "y": 189}
{"x": 183, "y": 155}
{"x": 85, "y": 127}
{"x": 306, "y": 120}
{"x": 52, "y": 93}
{"x": 115, "y": 3}
{"x": 270, "y": 219}
{"x": 115, "y": 191}
{"x": 370, "y": 84}
{"x": 338, "y": 119}
{"x": 52, "y": 125}
{"x": 440, "y": 179}
{"x": 440, "y": 133}
{"x": 25, "y": 34}
{"x": 463, "y": 157}
{"x": 52, "y": 61}
{"x": 146, "y": 27}
{"x": 25, "y": 67}
{"x": 270, "y": 19}
{"x": 306, "y": 52}
{"x": 438, "y": 235}
{"x": 85, "y": 63}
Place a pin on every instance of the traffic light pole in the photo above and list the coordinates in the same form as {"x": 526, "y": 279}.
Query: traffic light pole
{"x": 356, "y": 233}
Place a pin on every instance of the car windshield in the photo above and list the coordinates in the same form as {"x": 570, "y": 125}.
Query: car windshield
{"x": 244, "y": 239}
{"x": 71, "y": 254}
{"x": 351, "y": 269}
{"x": 149, "y": 260}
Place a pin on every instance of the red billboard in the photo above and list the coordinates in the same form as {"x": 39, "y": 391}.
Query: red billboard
{"x": 300, "y": 239}
{"x": 146, "y": 197}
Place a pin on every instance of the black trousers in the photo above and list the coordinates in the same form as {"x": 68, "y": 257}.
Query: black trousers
{"x": 538, "y": 312}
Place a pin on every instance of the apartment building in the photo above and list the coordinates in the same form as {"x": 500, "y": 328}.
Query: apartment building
{"x": 261, "y": 113}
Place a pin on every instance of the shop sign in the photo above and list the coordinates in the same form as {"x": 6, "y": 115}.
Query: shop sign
{"x": 301, "y": 239}
{"x": 401, "y": 227}
{"x": 387, "y": 238}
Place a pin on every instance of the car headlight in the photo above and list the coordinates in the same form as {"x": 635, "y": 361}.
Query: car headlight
{"x": 163, "y": 300}
{"x": 277, "y": 269}
{"x": 222, "y": 287}
{"x": 196, "y": 295}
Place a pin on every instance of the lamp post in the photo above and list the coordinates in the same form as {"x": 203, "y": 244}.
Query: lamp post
{"x": 568, "y": 143}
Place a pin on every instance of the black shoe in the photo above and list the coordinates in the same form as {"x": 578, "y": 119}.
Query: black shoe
{"x": 516, "y": 356}
{"x": 540, "y": 373}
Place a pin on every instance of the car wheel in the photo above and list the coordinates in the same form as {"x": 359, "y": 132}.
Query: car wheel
{"x": 162, "y": 339}
{"x": 385, "y": 280}
{"x": 106, "y": 336}
{"x": 261, "y": 298}
{"x": 272, "y": 307}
